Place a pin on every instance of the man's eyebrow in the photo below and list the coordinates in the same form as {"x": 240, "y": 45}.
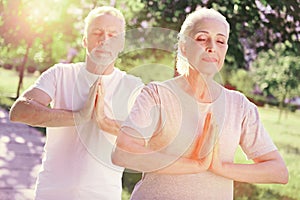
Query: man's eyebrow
{"x": 101, "y": 29}
{"x": 96, "y": 29}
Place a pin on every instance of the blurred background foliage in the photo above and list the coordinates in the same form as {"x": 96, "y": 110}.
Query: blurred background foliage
{"x": 262, "y": 59}
{"x": 36, "y": 34}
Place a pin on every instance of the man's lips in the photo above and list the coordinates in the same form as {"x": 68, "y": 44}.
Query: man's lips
{"x": 102, "y": 51}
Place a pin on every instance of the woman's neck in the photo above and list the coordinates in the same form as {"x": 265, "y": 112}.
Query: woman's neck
{"x": 203, "y": 87}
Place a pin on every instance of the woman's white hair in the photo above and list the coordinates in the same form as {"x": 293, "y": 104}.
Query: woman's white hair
{"x": 100, "y": 11}
{"x": 186, "y": 29}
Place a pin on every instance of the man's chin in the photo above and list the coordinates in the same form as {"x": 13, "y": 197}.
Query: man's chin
{"x": 101, "y": 61}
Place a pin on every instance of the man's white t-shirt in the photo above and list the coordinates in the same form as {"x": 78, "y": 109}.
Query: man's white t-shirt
{"x": 77, "y": 161}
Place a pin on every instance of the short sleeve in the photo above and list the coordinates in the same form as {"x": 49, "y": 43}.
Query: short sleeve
{"x": 255, "y": 140}
{"x": 145, "y": 114}
{"x": 47, "y": 81}
{"x": 124, "y": 96}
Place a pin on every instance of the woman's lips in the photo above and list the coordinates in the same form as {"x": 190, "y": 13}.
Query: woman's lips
{"x": 210, "y": 59}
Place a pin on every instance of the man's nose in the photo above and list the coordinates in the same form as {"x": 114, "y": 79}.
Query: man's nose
{"x": 103, "y": 38}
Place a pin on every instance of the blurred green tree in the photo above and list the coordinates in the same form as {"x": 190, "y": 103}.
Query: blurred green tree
{"x": 243, "y": 81}
{"x": 34, "y": 24}
{"x": 45, "y": 32}
{"x": 277, "y": 72}
{"x": 255, "y": 25}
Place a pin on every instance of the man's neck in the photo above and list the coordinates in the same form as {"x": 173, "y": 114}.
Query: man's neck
{"x": 99, "y": 70}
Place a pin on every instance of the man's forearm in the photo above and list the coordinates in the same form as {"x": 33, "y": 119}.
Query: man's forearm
{"x": 35, "y": 114}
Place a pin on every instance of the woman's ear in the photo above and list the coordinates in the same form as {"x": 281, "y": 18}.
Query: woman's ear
{"x": 182, "y": 48}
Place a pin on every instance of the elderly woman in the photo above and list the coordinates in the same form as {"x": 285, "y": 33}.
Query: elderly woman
{"x": 183, "y": 133}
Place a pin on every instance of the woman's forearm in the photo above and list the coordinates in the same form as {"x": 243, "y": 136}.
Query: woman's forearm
{"x": 270, "y": 169}
{"x": 133, "y": 154}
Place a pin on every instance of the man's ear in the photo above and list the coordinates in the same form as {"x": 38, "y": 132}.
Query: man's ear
{"x": 84, "y": 42}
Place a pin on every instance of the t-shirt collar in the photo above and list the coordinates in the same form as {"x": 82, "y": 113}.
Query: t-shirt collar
{"x": 92, "y": 78}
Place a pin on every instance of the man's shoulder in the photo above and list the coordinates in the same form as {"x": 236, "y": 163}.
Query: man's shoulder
{"x": 132, "y": 78}
{"x": 65, "y": 67}
{"x": 129, "y": 78}
{"x": 69, "y": 66}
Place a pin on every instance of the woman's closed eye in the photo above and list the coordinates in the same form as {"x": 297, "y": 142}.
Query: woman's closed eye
{"x": 220, "y": 42}
{"x": 201, "y": 38}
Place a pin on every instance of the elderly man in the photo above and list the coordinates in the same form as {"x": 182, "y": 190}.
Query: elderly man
{"x": 71, "y": 168}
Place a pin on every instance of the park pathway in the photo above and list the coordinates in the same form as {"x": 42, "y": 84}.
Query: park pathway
{"x": 21, "y": 149}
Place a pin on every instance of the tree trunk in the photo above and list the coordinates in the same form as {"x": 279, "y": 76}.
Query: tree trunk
{"x": 280, "y": 111}
{"x": 281, "y": 107}
{"x": 22, "y": 69}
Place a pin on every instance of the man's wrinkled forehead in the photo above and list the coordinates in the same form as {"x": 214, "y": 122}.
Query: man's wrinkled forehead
{"x": 99, "y": 23}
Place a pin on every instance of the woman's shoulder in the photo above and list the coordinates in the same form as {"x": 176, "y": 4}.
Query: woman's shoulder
{"x": 160, "y": 89}
{"x": 235, "y": 94}
{"x": 236, "y": 97}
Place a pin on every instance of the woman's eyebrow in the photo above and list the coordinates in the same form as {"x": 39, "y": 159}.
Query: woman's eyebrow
{"x": 219, "y": 34}
{"x": 201, "y": 32}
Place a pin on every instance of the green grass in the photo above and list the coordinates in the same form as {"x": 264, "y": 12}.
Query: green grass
{"x": 286, "y": 135}
{"x": 9, "y": 84}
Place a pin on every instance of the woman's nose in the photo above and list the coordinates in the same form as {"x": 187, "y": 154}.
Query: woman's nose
{"x": 210, "y": 47}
